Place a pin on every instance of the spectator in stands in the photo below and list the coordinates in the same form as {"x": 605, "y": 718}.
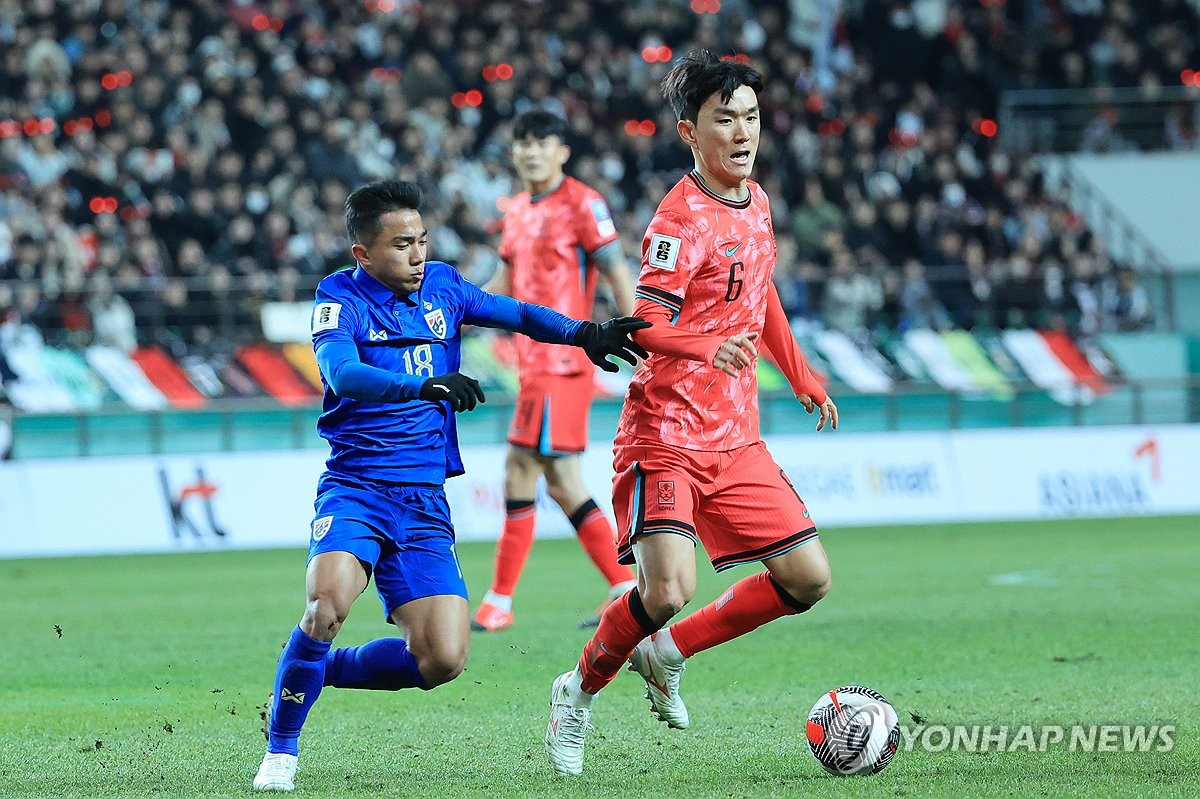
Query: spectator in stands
{"x": 1019, "y": 296}
{"x": 1125, "y": 304}
{"x": 113, "y": 323}
{"x": 851, "y": 296}
{"x": 919, "y": 309}
{"x": 812, "y": 220}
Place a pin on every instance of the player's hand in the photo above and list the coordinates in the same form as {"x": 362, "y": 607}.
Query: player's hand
{"x": 829, "y": 411}
{"x": 461, "y": 391}
{"x": 612, "y": 338}
{"x": 736, "y": 353}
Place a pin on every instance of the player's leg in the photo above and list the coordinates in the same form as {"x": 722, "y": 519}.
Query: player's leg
{"x": 334, "y": 580}
{"x": 438, "y": 632}
{"x": 522, "y": 469}
{"x": 756, "y": 515}
{"x": 564, "y": 484}
{"x": 421, "y": 586}
{"x": 660, "y": 535}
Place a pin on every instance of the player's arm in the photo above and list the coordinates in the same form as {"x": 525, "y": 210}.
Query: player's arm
{"x": 347, "y": 376}
{"x": 614, "y": 270}
{"x": 672, "y": 251}
{"x": 780, "y": 345}
{"x": 545, "y": 324}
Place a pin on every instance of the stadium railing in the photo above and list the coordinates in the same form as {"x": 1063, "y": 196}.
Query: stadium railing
{"x": 250, "y": 425}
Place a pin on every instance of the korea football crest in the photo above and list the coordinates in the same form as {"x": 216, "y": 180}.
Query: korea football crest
{"x": 437, "y": 322}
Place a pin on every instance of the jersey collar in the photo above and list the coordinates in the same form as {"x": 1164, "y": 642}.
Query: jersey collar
{"x": 533, "y": 198}
{"x": 699, "y": 181}
{"x": 378, "y": 292}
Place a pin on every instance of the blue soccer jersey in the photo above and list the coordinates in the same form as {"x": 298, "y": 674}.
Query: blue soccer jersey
{"x": 377, "y": 348}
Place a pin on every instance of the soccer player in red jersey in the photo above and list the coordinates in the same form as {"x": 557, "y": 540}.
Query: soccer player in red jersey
{"x": 690, "y": 465}
{"x": 557, "y": 240}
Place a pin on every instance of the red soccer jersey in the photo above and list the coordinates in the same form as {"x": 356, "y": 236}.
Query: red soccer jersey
{"x": 547, "y": 242}
{"x": 709, "y": 261}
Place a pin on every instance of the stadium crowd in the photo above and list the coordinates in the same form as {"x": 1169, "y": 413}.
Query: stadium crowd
{"x": 170, "y": 166}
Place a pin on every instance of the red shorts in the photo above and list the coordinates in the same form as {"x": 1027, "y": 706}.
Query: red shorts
{"x": 551, "y": 417}
{"x": 739, "y": 503}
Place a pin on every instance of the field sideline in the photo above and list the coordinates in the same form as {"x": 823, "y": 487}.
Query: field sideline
{"x": 141, "y": 676}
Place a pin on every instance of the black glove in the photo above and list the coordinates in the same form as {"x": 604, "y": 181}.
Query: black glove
{"x": 611, "y": 338}
{"x": 462, "y": 392}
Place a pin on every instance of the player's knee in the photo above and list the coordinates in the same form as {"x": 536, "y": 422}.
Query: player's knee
{"x": 557, "y": 491}
{"x": 322, "y": 618}
{"x": 811, "y": 586}
{"x": 521, "y": 473}
{"x": 665, "y": 598}
{"x": 442, "y": 664}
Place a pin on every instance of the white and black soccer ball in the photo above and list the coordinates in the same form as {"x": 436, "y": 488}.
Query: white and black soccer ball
{"x": 853, "y": 730}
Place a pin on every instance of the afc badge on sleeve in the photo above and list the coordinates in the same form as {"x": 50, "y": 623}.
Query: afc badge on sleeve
{"x": 325, "y": 316}
{"x": 604, "y": 223}
{"x": 663, "y": 252}
{"x": 437, "y": 322}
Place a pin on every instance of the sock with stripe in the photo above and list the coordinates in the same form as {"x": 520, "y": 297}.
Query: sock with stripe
{"x": 748, "y": 604}
{"x": 512, "y": 550}
{"x": 597, "y": 538}
{"x": 298, "y": 680}
{"x": 384, "y": 664}
{"x": 623, "y": 624}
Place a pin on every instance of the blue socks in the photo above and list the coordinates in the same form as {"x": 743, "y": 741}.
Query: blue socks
{"x": 298, "y": 680}
{"x": 306, "y": 664}
{"x": 384, "y": 664}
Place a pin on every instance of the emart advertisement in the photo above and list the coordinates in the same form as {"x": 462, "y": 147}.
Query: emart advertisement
{"x": 255, "y": 500}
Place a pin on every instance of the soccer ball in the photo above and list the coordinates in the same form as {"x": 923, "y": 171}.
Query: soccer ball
{"x": 853, "y": 730}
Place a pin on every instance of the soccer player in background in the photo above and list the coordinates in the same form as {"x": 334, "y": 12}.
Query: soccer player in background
{"x": 386, "y": 335}
{"x": 690, "y": 465}
{"x": 558, "y": 237}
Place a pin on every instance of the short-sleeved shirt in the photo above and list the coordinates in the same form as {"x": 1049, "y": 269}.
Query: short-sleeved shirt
{"x": 710, "y": 261}
{"x": 548, "y": 242}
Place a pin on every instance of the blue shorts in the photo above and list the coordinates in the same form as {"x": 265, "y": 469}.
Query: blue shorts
{"x": 402, "y": 533}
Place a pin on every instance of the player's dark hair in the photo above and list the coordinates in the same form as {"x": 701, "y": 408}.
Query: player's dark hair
{"x": 539, "y": 124}
{"x": 700, "y": 74}
{"x": 366, "y": 205}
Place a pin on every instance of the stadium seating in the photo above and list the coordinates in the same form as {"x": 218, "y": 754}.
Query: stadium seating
{"x": 168, "y": 377}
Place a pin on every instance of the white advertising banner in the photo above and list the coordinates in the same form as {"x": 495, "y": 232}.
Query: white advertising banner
{"x": 249, "y": 500}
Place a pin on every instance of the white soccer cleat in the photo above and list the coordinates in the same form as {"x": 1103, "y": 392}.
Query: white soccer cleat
{"x": 661, "y": 671}
{"x": 568, "y": 725}
{"x": 277, "y": 773}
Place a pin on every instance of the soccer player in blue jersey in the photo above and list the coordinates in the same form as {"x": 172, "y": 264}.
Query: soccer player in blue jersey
{"x": 386, "y": 335}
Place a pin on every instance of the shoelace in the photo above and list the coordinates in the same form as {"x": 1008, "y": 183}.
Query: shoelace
{"x": 575, "y": 731}
{"x": 277, "y": 767}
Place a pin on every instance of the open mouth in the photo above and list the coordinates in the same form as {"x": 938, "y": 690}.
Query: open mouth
{"x": 741, "y": 157}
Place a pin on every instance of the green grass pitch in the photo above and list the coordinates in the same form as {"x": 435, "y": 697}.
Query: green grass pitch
{"x": 142, "y": 676}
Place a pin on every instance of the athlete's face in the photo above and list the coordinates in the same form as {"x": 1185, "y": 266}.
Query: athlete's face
{"x": 724, "y": 138}
{"x": 539, "y": 162}
{"x": 396, "y": 257}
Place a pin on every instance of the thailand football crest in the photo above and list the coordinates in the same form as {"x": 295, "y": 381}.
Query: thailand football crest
{"x": 437, "y": 322}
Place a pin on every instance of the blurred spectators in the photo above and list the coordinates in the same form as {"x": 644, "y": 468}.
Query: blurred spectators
{"x": 1125, "y": 305}
{"x": 183, "y": 154}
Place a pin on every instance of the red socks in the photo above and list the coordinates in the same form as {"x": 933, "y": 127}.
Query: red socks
{"x": 597, "y": 539}
{"x": 748, "y": 604}
{"x": 623, "y": 625}
{"x": 512, "y": 550}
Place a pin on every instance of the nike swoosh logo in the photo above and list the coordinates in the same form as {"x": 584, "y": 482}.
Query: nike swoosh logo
{"x": 653, "y": 679}
{"x": 729, "y": 251}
